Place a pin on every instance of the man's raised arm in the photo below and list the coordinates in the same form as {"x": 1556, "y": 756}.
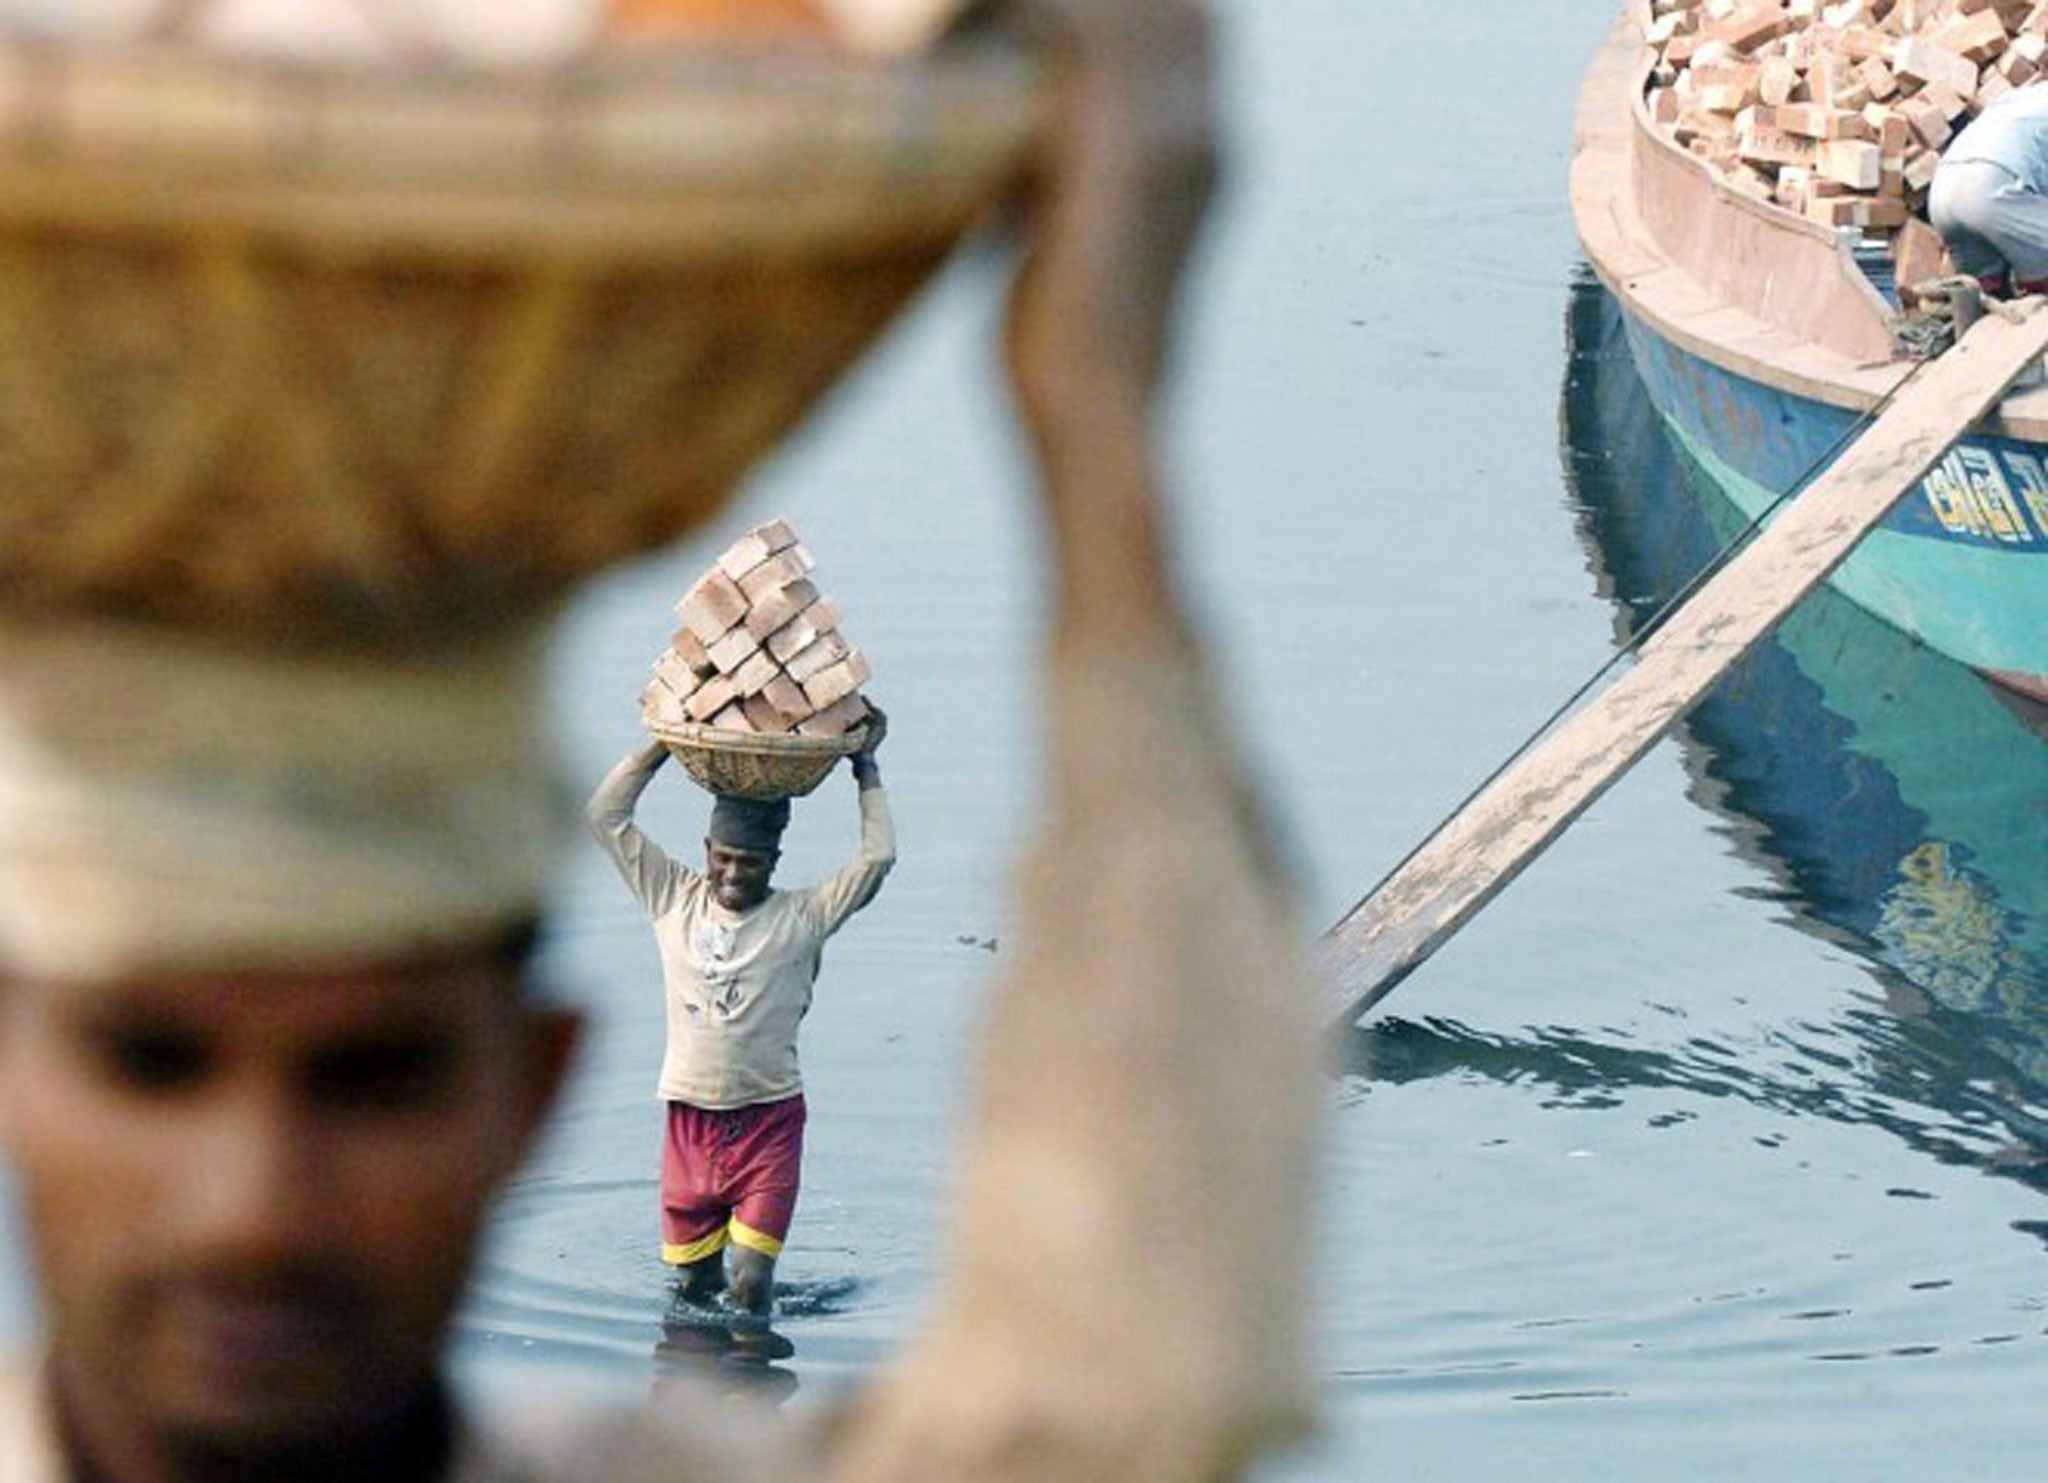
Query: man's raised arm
{"x": 647, "y": 869}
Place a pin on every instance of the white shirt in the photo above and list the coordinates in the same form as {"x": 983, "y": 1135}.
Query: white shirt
{"x": 737, "y": 984}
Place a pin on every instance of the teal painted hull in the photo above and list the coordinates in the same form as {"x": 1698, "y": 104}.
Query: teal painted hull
{"x": 1960, "y": 564}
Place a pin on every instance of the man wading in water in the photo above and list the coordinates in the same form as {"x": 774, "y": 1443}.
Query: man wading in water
{"x": 738, "y": 960}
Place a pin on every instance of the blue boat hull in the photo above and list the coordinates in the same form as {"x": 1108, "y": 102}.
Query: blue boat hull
{"x": 1961, "y": 563}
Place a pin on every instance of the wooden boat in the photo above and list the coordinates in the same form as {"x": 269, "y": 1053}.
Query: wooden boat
{"x": 1764, "y": 343}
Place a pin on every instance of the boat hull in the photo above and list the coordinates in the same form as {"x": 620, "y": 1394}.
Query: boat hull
{"x": 1961, "y": 563}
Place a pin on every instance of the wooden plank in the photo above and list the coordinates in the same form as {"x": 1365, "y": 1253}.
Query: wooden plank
{"x": 1531, "y": 801}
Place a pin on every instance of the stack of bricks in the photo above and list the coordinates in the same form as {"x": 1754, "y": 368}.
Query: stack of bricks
{"x": 759, "y": 649}
{"x": 1837, "y": 110}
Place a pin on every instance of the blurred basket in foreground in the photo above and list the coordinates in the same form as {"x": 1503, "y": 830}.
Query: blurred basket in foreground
{"x": 744, "y": 766}
{"x": 394, "y": 351}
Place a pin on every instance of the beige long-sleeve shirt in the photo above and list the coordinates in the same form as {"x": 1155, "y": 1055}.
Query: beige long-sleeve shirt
{"x": 737, "y": 984}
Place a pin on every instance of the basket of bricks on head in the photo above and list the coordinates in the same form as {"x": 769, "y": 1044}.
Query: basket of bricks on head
{"x": 758, "y": 693}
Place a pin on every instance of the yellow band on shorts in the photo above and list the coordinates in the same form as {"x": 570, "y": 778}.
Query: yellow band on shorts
{"x": 694, "y": 1251}
{"x": 745, "y": 1235}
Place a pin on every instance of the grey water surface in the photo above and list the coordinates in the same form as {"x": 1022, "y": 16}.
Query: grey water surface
{"x": 1715, "y": 1149}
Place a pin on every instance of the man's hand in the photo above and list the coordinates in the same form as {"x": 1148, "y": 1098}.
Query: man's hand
{"x": 865, "y": 771}
{"x": 871, "y": 736}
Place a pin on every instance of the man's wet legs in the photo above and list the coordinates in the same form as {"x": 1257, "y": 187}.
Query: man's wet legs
{"x": 752, "y": 1278}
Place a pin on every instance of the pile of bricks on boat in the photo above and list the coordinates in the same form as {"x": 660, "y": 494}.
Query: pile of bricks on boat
{"x": 1836, "y": 110}
{"x": 759, "y": 649}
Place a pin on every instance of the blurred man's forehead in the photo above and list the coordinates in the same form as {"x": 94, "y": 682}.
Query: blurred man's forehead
{"x": 279, "y": 1008}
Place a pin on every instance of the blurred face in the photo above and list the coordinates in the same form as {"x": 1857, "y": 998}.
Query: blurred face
{"x": 252, "y": 1202}
{"x": 739, "y": 878}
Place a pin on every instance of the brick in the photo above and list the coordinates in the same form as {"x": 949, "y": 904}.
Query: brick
{"x": 733, "y": 650}
{"x": 788, "y": 699}
{"x": 710, "y": 608}
{"x": 800, "y": 632}
{"x": 1991, "y": 89}
{"x": 671, "y": 673}
{"x": 663, "y": 709}
{"x": 752, "y": 676}
{"x": 1929, "y": 124}
{"x": 1818, "y": 121}
{"x": 1917, "y": 254}
{"x": 836, "y": 719}
{"x": 1857, "y": 211}
{"x": 1892, "y": 131}
{"x": 836, "y": 681}
{"x": 1862, "y": 44}
{"x": 1919, "y": 168}
{"x": 1834, "y": 211}
{"x": 1765, "y": 145}
{"x": 823, "y": 652}
{"x": 1927, "y": 63}
{"x": 1697, "y": 123}
{"x": 1807, "y": 120}
{"x": 1879, "y": 78}
{"x": 732, "y": 718}
{"x": 763, "y": 717}
{"x": 785, "y": 566}
{"x": 1719, "y": 97}
{"x": 1831, "y": 77}
{"x": 1751, "y": 26}
{"x": 689, "y": 649}
{"x": 779, "y": 606}
{"x": 1776, "y": 81}
{"x": 1979, "y": 37}
{"x": 711, "y": 697}
{"x": 1910, "y": 16}
{"x": 1854, "y": 162}
{"x": 1953, "y": 105}
{"x": 755, "y": 547}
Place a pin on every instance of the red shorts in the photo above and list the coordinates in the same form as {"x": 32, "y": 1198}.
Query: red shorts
{"x": 729, "y": 1175}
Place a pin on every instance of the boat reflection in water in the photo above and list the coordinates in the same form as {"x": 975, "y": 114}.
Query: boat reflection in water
{"x": 1899, "y": 801}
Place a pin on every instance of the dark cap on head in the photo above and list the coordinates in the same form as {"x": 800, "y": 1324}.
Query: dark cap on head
{"x": 748, "y": 823}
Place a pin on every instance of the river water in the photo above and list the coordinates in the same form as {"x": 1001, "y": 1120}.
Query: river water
{"x": 1716, "y": 1148}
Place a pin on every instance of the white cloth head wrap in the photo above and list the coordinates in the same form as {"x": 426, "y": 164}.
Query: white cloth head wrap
{"x": 171, "y": 805}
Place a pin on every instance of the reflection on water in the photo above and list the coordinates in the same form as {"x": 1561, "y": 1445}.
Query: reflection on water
{"x": 1898, "y": 802}
{"x": 710, "y": 1346}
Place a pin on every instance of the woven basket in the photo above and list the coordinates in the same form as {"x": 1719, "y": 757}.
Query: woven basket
{"x": 743, "y": 766}
{"x": 396, "y": 352}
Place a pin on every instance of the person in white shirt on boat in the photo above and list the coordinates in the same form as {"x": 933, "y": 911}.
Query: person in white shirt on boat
{"x": 1989, "y": 197}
